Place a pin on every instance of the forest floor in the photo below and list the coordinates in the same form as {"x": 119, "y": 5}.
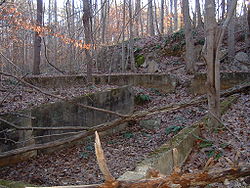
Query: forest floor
{"x": 78, "y": 165}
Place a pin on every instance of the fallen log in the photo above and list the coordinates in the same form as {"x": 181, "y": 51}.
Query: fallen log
{"x": 105, "y": 126}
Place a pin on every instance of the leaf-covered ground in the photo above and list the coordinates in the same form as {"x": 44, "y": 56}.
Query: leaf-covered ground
{"x": 77, "y": 165}
{"x": 231, "y": 140}
{"x": 15, "y": 96}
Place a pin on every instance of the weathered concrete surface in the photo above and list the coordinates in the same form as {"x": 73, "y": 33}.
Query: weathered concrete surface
{"x": 198, "y": 83}
{"x": 164, "y": 82}
{"x": 162, "y": 158}
{"x": 61, "y": 114}
{"x": 14, "y": 184}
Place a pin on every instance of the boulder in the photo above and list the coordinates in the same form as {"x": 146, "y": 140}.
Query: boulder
{"x": 241, "y": 62}
{"x": 150, "y": 123}
{"x": 153, "y": 66}
{"x": 242, "y": 57}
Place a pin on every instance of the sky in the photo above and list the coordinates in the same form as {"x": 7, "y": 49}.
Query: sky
{"x": 61, "y": 3}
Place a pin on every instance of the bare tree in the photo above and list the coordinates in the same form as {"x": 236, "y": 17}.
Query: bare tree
{"x": 223, "y": 8}
{"x": 214, "y": 37}
{"x": 171, "y": 16}
{"x": 37, "y": 39}
{"x": 213, "y": 72}
{"x": 87, "y": 24}
{"x": 230, "y": 37}
{"x": 162, "y": 17}
{"x": 190, "y": 54}
{"x": 248, "y": 20}
{"x": 175, "y": 15}
{"x": 248, "y": 14}
{"x": 131, "y": 37}
{"x": 151, "y": 18}
{"x": 104, "y": 4}
{"x": 198, "y": 12}
{"x": 137, "y": 18}
{"x": 123, "y": 35}
{"x": 156, "y": 19}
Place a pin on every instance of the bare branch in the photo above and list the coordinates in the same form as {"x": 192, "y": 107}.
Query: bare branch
{"x": 101, "y": 160}
{"x": 47, "y": 59}
{"x": 9, "y": 61}
{"x": 43, "y": 128}
{"x": 11, "y": 89}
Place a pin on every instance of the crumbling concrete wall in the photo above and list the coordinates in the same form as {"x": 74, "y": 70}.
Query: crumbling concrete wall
{"x": 164, "y": 82}
{"x": 61, "y": 114}
{"x": 228, "y": 79}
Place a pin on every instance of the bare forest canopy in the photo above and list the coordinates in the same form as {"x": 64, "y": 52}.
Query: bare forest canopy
{"x": 62, "y": 34}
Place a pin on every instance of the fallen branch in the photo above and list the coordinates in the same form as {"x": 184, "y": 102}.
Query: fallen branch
{"x": 10, "y": 62}
{"x": 11, "y": 89}
{"x": 175, "y": 68}
{"x": 105, "y": 126}
{"x": 39, "y": 137}
{"x": 47, "y": 59}
{"x": 102, "y": 161}
{"x": 43, "y": 128}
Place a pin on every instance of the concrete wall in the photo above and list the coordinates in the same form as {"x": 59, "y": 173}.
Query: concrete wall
{"x": 164, "y": 82}
{"x": 61, "y": 114}
{"x": 162, "y": 158}
{"x": 228, "y": 79}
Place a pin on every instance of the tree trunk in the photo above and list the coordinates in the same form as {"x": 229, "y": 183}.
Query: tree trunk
{"x": 131, "y": 40}
{"x": 151, "y": 18}
{"x": 87, "y": 24}
{"x": 37, "y": 39}
{"x": 248, "y": 15}
{"x": 171, "y": 16}
{"x": 138, "y": 17}
{"x": 231, "y": 38}
{"x": 190, "y": 54}
{"x": 162, "y": 17}
{"x": 70, "y": 33}
{"x": 156, "y": 19}
{"x": 213, "y": 72}
{"x": 248, "y": 20}
{"x": 223, "y": 7}
{"x": 56, "y": 40}
{"x": 103, "y": 20}
{"x": 198, "y": 12}
{"x": 123, "y": 36}
{"x": 175, "y": 16}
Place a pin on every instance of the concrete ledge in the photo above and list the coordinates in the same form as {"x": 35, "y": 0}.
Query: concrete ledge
{"x": 164, "y": 82}
{"x": 228, "y": 79}
{"x": 162, "y": 158}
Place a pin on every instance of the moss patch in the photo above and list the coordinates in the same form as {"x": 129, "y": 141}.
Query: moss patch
{"x": 14, "y": 184}
{"x": 139, "y": 60}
